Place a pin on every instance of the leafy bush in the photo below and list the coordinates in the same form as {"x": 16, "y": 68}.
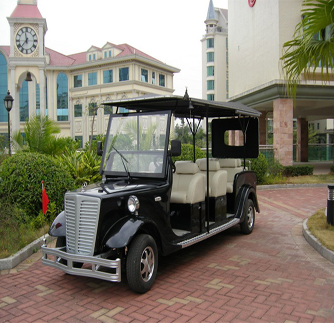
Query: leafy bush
{"x": 300, "y": 170}
{"x": 187, "y": 153}
{"x": 332, "y": 169}
{"x": 21, "y": 179}
{"x": 260, "y": 167}
{"x": 83, "y": 166}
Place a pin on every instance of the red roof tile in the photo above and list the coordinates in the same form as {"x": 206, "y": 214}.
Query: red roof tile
{"x": 26, "y": 11}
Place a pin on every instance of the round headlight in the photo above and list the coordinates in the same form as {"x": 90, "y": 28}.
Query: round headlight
{"x": 133, "y": 203}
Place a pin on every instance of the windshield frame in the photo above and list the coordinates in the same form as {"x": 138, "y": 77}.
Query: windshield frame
{"x": 122, "y": 154}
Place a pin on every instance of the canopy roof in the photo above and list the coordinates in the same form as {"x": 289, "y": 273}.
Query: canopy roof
{"x": 181, "y": 107}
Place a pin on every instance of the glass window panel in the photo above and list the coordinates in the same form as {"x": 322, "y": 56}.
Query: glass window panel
{"x": 92, "y": 108}
{"x": 161, "y": 80}
{"x": 210, "y": 85}
{"x": 24, "y": 102}
{"x": 79, "y": 139}
{"x": 210, "y": 57}
{"x": 78, "y": 80}
{"x": 144, "y": 75}
{"x": 3, "y": 88}
{"x": 92, "y": 78}
{"x": 153, "y": 77}
{"x": 123, "y": 74}
{"x": 210, "y": 43}
{"x": 108, "y": 76}
{"x": 62, "y": 97}
{"x": 210, "y": 71}
{"x": 210, "y": 97}
{"x": 77, "y": 110}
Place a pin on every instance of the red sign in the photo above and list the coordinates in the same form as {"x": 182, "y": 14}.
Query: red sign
{"x": 251, "y": 3}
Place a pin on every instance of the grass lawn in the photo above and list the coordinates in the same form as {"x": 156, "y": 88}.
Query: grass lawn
{"x": 318, "y": 226}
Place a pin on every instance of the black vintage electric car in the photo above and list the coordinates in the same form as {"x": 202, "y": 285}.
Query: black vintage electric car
{"x": 146, "y": 204}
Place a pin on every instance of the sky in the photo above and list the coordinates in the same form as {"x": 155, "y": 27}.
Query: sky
{"x": 170, "y": 31}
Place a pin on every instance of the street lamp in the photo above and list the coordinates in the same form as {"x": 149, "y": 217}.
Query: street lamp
{"x": 8, "y": 101}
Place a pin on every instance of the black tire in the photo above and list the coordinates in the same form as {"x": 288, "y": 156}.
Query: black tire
{"x": 247, "y": 226}
{"x": 142, "y": 263}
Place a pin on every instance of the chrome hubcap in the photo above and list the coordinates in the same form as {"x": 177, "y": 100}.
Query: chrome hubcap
{"x": 250, "y": 216}
{"x": 147, "y": 264}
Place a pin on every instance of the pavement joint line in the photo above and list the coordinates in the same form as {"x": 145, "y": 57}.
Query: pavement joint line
{"x": 282, "y": 205}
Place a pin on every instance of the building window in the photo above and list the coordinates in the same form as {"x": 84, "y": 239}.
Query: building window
{"x": 123, "y": 74}
{"x": 24, "y": 102}
{"x": 153, "y": 78}
{"x": 92, "y": 108}
{"x": 210, "y": 97}
{"x": 226, "y": 85}
{"x": 77, "y": 110}
{"x": 161, "y": 80}
{"x": 105, "y": 54}
{"x": 210, "y": 57}
{"x": 210, "y": 71}
{"x": 210, "y": 85}
{"x": 144, "y": 75}
{"x": 107, "y": 109}
{"x": 108, "y": 76}
{"x": 92, "y": 78}
{"x": 38, "y": 100}
{"x": 79, "y": 139}
{"x": 210, "y": 43}
{"x": 110, "y": 54}
{"x": 3, "y": 87}
{"x": 62, "y": 97}
{"x": 226, "y": 43}
{"x": 78, "y": 80}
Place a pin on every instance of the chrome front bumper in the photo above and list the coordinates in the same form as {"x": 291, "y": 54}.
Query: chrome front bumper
{"x": 95, "y": 267}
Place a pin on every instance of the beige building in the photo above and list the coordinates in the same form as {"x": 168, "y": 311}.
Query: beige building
{"x": 246, "y": 67}
{"x": 68, "y": 88}
{"x": 215, "y": 85}
{"x": 257, "y": 31}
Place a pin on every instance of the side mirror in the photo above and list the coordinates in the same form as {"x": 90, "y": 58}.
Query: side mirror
{"x": 175, "y": 150}
{"x": 99, "y": 148}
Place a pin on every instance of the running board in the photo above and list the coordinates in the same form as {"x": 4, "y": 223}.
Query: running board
{"x": 203, "y": 236}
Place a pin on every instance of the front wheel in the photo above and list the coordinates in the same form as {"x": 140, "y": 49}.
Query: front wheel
{"x": 142, "y": 263}
{"x": 247, "y": 226}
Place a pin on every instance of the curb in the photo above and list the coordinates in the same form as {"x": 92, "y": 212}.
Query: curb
{"x": 313, "y": 241}
{"x": 27, "y": 251}
{"x": 284, "y": 186}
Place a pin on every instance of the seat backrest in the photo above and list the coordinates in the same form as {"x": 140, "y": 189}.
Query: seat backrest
{"x": 188, "y": 184}
{"x": 217, "y": 177}
{"x": 232, "y": 166}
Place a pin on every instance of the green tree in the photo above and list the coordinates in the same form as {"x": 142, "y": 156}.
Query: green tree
{"x": 312, "y": 45}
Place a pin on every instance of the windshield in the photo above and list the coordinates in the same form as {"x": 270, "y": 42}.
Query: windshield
{"x": 136, "y": 145}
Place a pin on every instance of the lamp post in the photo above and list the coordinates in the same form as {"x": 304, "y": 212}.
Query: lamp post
{"x": 8, "y": 101}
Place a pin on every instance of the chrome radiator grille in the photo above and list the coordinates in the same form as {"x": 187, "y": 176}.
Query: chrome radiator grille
{"x": 82, "y": 215}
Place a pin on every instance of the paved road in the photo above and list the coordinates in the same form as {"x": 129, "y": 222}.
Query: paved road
{"x": 272, "y": 275}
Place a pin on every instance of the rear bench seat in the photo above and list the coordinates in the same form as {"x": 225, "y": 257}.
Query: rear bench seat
{"x": 217, "y": 177}
{"x": 231, "y": 166}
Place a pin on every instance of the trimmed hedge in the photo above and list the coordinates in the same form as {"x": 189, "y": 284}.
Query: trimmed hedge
{"x": 187, "y": 153}
{"x": 260, "y": 167}
{"x": 21, "y": 179}
{"x": 300, "y": 170}
{"x": 332, "y": 169}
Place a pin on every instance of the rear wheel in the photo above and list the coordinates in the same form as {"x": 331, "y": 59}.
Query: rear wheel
{"x": 248, "y": 225}
{"x": 142, "y": 263}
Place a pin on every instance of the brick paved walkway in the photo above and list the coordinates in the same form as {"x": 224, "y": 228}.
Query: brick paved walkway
{"x": 272, "y": 275}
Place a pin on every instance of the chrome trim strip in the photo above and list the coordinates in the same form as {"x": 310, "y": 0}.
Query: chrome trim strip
{"x": 99, "y": 266}
{"x": 203, "y": 236}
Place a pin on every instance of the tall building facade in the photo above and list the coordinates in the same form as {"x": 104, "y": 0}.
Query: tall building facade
{"x": 257, "y": 31}
{"x": 215, "y": 84}
{"x": 71, "y": 88}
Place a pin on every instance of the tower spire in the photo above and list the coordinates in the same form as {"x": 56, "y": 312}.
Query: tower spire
{"x": 211, "y": 15}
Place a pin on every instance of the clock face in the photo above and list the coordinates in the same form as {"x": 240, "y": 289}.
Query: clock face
{"x": 26, "y": 40}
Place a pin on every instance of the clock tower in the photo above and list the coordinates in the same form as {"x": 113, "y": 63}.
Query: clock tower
{"x": 27, "y": 54}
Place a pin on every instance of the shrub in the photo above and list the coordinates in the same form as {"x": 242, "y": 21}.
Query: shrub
{"x": 21, "y": 179}
{"x": 187, "y": 153}
{"x": 300, "y": 170}
{"x": 260, "y": 167}
{"x": 332, "y": 169}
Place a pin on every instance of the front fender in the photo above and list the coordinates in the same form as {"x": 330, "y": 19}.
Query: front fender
{"x": 58, "y": 227}
{"x": 122, "y": 232}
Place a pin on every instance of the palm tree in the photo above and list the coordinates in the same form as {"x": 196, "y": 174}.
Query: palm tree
{"x": 312, "y": 45}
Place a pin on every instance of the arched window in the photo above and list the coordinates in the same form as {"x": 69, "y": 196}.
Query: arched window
{"x": 62, "y": 97}
{"x": 3, "y": 87}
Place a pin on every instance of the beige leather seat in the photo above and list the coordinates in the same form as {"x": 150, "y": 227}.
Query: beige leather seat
{"x": 231, "y": 166}
{"x": 217, "y": 177}
{"x": 188, "y": 184}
